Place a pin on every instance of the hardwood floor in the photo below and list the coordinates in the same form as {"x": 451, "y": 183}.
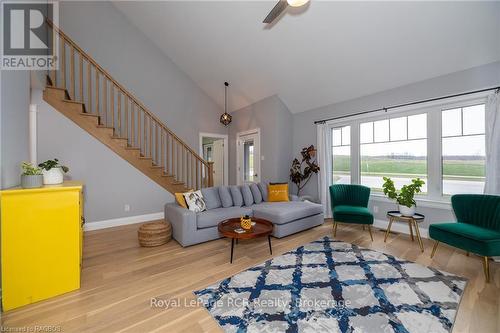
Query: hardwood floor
{"x": 119, "y": 279}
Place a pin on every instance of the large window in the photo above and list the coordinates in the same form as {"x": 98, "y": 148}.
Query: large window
{"x": 463, "y": 149}
{"x": 440, "y": 143}
{"x": 396, "y": 148}
{"x": 341, "y": 154}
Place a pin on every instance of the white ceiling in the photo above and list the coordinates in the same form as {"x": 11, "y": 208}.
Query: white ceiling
{"x": 325, "y": 53}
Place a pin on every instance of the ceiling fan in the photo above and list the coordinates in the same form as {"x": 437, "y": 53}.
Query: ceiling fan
{"x": 280, "y": 7}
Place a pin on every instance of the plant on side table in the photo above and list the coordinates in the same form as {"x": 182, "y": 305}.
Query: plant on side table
{"x": 31, "y": 176}
{"x": 300, "y": 177}
{"x": 406, "y": 196}
{"x": 53, "y": 172}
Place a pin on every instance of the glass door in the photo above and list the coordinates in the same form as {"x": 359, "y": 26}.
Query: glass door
{"x": 249, "y": 158}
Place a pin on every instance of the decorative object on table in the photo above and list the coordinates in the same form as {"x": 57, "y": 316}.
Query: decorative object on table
{"x": 412, "y": 221}
{"x": 195, "y": 201}
{"x": 277, "y": 192}
{"x": 477, "y": 229}
{"x": 31, "y": 176}
{"x": 225, "y": 118}
{"x": 300, "y": 174}
{"x": 53, "y": 172}
{"x": 154, "y": 233}
{"x": 246, "y": 222}
{"x": 260, "y": 228}
{"x": 406, "y": 196}
{"x": 385, "y": 292}
{"x": 349, "y": 204}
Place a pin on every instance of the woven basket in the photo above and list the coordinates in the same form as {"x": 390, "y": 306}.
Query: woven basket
{"x": 154, "y": 233}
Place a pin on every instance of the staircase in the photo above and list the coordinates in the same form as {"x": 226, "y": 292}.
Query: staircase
{"x": 85, "y": 93}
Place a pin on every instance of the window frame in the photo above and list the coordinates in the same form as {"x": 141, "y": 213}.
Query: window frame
{"x": 434, "y": 196}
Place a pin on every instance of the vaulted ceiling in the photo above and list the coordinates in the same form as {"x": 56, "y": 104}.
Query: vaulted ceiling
{"x": 324, "y": 53}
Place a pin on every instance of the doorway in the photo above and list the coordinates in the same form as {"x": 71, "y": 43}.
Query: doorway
{"x": 214, "y": 148}
{"x": 248, "y": 152}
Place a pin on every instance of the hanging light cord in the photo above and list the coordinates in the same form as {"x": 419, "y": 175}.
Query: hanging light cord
{"x": 225, "y": 96}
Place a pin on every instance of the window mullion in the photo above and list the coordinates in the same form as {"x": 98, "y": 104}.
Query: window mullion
{"x": 355, "y": 153}
{"x": 434, "y": 159}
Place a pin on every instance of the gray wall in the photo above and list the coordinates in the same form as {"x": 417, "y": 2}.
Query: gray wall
{"x": 304, "y": 131}
{"x": 14, "y": 129}
{"x": 275, "y": 123}
{"x": 131, "y": 58}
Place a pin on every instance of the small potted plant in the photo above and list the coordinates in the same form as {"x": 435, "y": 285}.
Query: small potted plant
{"x": 31, "y": 176}
{"x": 406, "y": 196}
{"x": 53, "y": 172}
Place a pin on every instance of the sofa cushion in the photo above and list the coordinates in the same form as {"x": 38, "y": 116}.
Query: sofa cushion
{"x": 284, "y": 212}
{"x": 352, "y": 214}
{"x": 237, "y": 196}
{"x": 257, "y": 196}
{"x": 247, "y": 195}
{"x": 468, "y": 237}
{"x": 211, "y": 197}
{"x": 211, "y": 218}
{"x": 225, "y": 196}
{"x": 263, "y": 190}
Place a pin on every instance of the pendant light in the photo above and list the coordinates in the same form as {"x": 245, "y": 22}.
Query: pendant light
{"x": 225, "y": 118}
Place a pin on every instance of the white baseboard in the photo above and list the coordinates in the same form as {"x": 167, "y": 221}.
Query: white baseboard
{"x": 122, "y": 221}
{"x": 400, "y": 227}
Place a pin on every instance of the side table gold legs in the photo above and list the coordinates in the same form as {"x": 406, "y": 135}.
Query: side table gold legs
{"x": 417, "y": 231}
{"x": 411, "y": 230}
{"x": 434, "y": 249}
{"x": 388, "y": 229}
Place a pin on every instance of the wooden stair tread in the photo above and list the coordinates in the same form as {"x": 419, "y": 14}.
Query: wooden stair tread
{"x": 118, "y": 137}
{"x": 105, "y": 126}
{"x": 132, "y": 148}
{"x": 89, "y": 114}
{"x": 71, "y": 101}
{"x": 168, "y": 175}
{"x": 145, "y": 158}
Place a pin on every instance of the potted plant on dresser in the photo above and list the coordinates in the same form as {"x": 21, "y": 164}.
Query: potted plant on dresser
{"x": 53, "y": 172}
{"x": 406, "y": 196}
{"x": 31, "y": 176}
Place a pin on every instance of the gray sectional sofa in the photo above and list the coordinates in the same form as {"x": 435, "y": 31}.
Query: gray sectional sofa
{"x": 225, "y": 202}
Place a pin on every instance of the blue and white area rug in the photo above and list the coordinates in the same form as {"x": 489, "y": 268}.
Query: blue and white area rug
{"x": 332, "y": 286}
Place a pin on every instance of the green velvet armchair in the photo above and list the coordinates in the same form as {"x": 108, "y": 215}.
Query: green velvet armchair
{"x": 350, "y": 205}
{"x": 477, "y": 229}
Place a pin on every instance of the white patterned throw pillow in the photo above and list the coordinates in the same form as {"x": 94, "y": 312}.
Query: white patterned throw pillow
{"x": 195, "y": 201}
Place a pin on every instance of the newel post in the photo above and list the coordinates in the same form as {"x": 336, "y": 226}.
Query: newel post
{"x": 210, "y": 174}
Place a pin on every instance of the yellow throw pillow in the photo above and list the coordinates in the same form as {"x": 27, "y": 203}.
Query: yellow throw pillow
{"x": 277, "y": 192}
{"x": 179, "y": 197}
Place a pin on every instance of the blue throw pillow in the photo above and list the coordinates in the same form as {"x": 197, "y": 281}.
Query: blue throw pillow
{"x": 263, "y": 190}
{"x": 247, "y": 195}
{"x": 225, "y": 196}
{"x": 237, "y": 196}
{"x": 211, "y": 197}
{"x": 257, "y": 196}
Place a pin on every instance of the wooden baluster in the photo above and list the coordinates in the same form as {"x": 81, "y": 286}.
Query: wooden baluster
{"x": 145, "y": 141}
{"x": 112, "y": 105}
{"x": 63, "y": 64}
{"x": 178, "y": 158}
{"x": 162, "y": 147}
{"x": 97, "y": 91}
{"x": 119, "y": 108}
{"x": 150, "y": 137}
{"x": 197, "y": 175}
{"x": 193, "y": 160}
{"x": 167, "y": 164}
{"x": 89, "y": 88}
{"x": 80, "y": 74}
{"x": 105, "y": 100}
{"x": 53, "y": 76}
{"x": 126, "y": 101}
{"x": 132, "y": 123}
{"x": 72, "y": 73}
{"x": 157, "y": 150}
{"x": 210, "y": 174}
{"x": 139, "y": 145}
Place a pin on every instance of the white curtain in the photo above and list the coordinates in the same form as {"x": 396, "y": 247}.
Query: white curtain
{"x": 492, "y": 185}
{"x": 324, "y": 162}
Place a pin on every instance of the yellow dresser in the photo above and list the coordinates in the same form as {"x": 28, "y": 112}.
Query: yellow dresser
{"x": 42, "y": 242}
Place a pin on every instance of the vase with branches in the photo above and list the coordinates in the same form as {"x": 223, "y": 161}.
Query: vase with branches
{"x": 302, "y": 171}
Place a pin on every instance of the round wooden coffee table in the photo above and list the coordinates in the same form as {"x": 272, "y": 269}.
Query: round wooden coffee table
{"x": 261, "y": 228}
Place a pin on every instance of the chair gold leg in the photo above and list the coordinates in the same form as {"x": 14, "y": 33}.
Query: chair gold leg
{"x": 363, "y": 228}
{"x": 434, "y": 249}
{"x": 388, "y": 229}
{"x": 335, "y": 229}
{"x": 467, "y": 253}
{"x": 417, "y": 231}
{"x": 370, "y": 231}
{"x": 486, "y": 269}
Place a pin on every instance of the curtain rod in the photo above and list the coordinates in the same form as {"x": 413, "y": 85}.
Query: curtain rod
{"x": 406, "y": 104}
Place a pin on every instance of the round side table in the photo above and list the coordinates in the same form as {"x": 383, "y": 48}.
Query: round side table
{"x": 412, "y": 221}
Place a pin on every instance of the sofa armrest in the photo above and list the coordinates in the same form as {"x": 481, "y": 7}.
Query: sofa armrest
{"x": 183, "y": 222}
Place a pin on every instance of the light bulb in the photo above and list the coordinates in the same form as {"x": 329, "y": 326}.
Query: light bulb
{"x": 297, "y": 3}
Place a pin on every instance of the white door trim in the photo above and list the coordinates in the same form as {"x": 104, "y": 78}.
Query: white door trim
{"x": 238, "y": 135}
{"x": 226, "y": 151}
